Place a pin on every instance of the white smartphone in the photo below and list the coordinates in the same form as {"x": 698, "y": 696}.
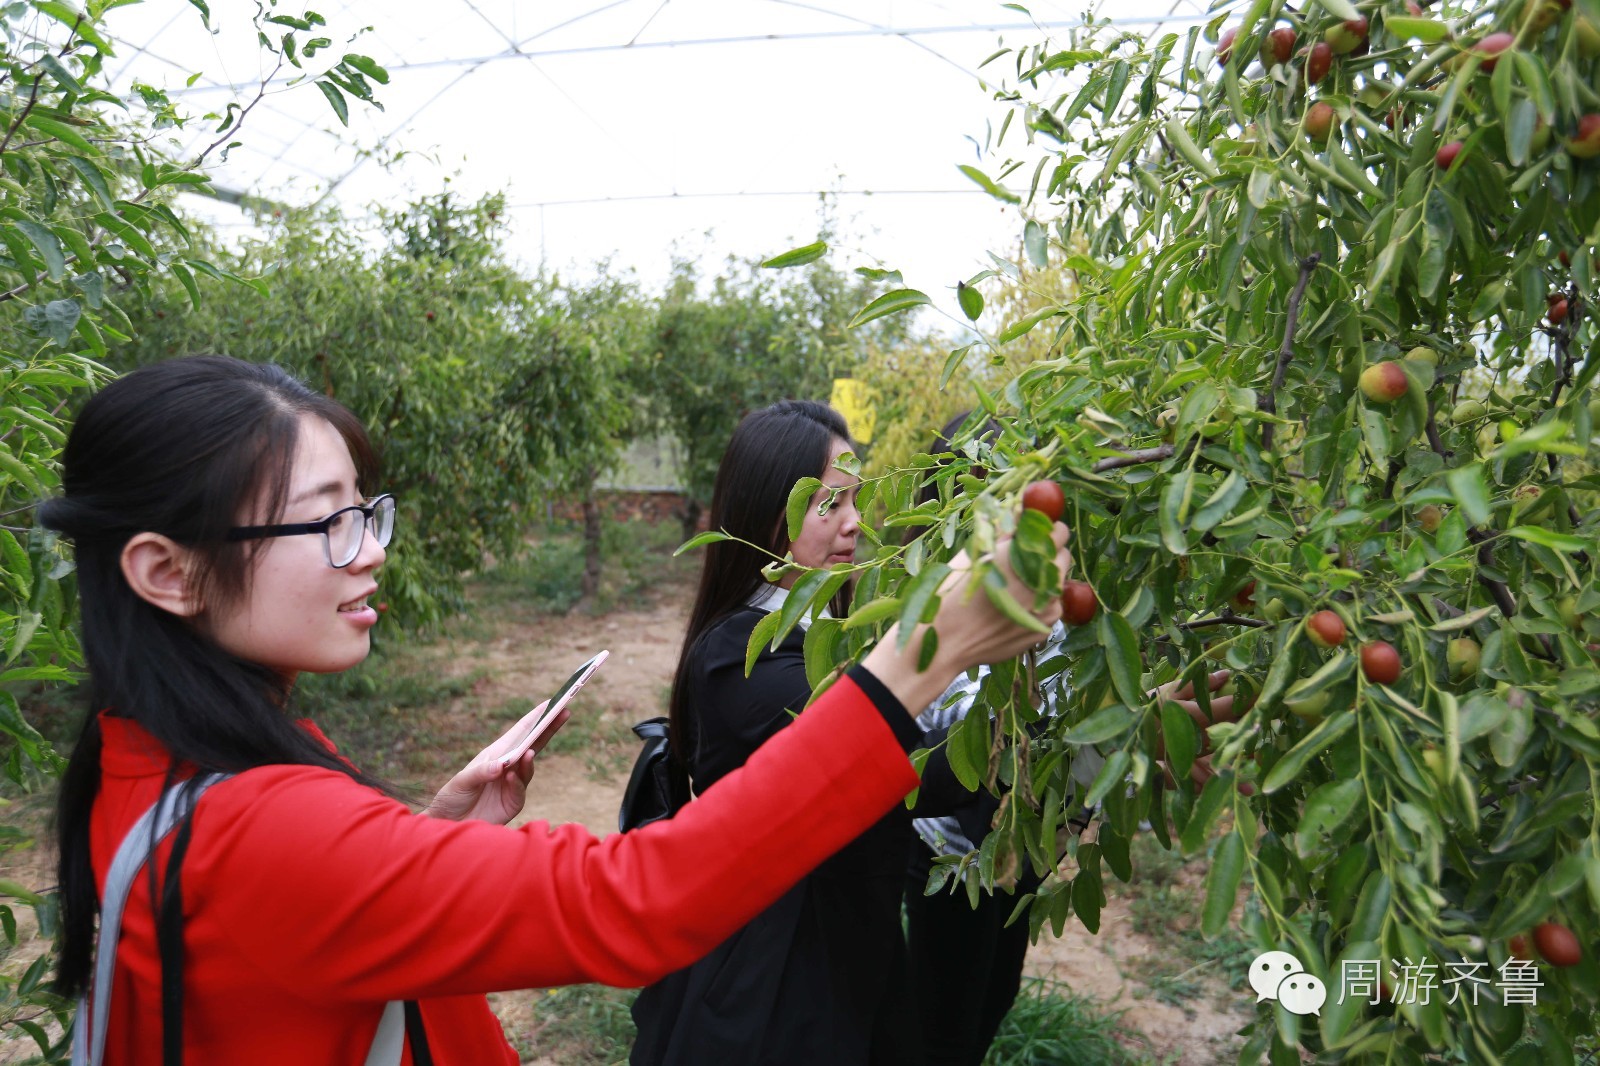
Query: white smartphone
{"x": 562, "y": 697}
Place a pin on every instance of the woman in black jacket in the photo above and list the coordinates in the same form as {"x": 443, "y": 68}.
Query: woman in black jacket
{"x": 820, "y": 976}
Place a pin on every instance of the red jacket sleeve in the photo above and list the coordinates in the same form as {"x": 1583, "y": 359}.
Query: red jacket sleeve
{"x": 337, "y": 891}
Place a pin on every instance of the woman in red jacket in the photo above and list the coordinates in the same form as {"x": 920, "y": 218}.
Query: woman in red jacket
{"x": 224, "y": 544}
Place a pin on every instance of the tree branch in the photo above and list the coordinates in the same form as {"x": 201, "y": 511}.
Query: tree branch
{"x": 1432, "y": 429}
{"x": 1562, "y": 337}
{"x": 1485, "y": 541}
{"x": 232, "y": 129}
{"x": 1135, "y": 458}
{"x": 33, "y": 98}
{"x": 1269, "y": 403}
{"x": 33, "y": 95}
{"x": 193, "y": 164}
{"x": 1497, "y": 589}
{"x": 1225, "y": 620}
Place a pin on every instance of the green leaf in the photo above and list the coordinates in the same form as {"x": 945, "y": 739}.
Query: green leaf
{"x": 919, "y": 601}
{"x": 1183, "y": 144}
{"x": 821, "y": 650}
{"x": 1026, "y": 323}
{"x": 368, "y": 66}
{"x": 1339, "y": 9}
{"x": 1518, "y": 911}
{"x": 799, "y": 503}
{"x": 61, "y": 74}
{"x": 994, "y": 587}
{"x": 984, "y": 182}
{"x": 808, "y": 253}
{"x": 16, "y": 891}
{"x": 1102, "y": 725}
{"x": 1221, "y": 502}
{"x": 1206, "y": 811}
{"x": 335, "y": 100}
{"x": 1313, "y": 744}
{"x": 1170, "y": 517}
{"x": 760, "y": 637}
{"x": 953, "y": 362}
{"x": 971, "y": 301}
{"x": 1332, "y": 672}
{"x": 801, "y": 596}
{"x": 968, "y": 748}
{"x": 1122, "y": 656}
{"x": 889, "y": 303}
{"x": 1519, "y": 128}
{"x": 74, "y": 20}
{"x": 1283, "y": 663}
{"x": 1326, "y": 809}
{"x": 1488, "y": 301}
{"x": 1545, "y": 437}
{"x": 186, "y": 278}
{"x": 1426, "y": 30}
{"x": 61, "y": 131}
{"x": 1466, "y": 484}
{"x": 1035, "y": 244}
{"x": 55, "y": 260}
{"x": 1114, "y": 90}
{"x": 1111, "y": 775}
{"x": 1182, "y": 739}
{"x": 127, "y": 233}
{"x": 710, "y": 536}
{"x": 876, "y": 611}
{"x": 1463, "y": 621}
{"x": 94, "y": 178}
{"x": 1222, "y": 884}
{"x": 1561, "y": 542}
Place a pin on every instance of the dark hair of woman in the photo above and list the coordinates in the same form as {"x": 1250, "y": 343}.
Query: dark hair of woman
{"x": 941, "y": 443}
{"x": 180, "y": 449}
{"x": 769, "y": 451}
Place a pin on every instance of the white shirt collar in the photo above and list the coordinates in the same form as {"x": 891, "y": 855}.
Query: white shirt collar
{"x": 771, "y": 598}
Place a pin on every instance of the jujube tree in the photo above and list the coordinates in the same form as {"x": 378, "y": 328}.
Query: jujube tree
{"x": 1323, "y": 403}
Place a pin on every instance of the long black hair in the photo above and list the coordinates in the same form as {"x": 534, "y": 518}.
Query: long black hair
{"x": 181, "y": 448}
{"x": 769, "y": 451}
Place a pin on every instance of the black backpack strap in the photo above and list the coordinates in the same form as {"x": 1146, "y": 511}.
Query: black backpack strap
{"x": 169, "y": 946}
{"x": 417, "y": 1036}
{"x": 94, "y": 1008}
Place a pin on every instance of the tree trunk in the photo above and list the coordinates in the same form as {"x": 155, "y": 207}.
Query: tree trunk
{"x": 690, "y": 516}
{"x": 591, "y": 541}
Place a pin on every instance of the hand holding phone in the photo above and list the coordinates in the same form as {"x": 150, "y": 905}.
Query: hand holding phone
{"x": 545, "y": 723}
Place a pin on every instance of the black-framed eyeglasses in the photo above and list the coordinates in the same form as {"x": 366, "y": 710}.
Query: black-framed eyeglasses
{"x": 341, "y": 532}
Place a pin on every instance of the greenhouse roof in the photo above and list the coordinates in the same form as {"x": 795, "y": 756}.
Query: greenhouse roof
{"x": 630, "y": 129}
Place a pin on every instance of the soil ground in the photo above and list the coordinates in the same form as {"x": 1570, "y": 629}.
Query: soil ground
{"x": 1172, "y": 1008}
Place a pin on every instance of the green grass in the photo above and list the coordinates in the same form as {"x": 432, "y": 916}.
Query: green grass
{"x": 583, "y": 1025}
{"x": 1049, "y": 1025}
{"x": 589, "y": 1025}
{"x": 1165, "y": 906}
{"x": 604, "y": 742}
{"x": 547, "y": 577}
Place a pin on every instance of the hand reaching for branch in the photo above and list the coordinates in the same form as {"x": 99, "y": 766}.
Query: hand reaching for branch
{"x": 1222, "y": 710}
{"x": 489, "y": 788}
